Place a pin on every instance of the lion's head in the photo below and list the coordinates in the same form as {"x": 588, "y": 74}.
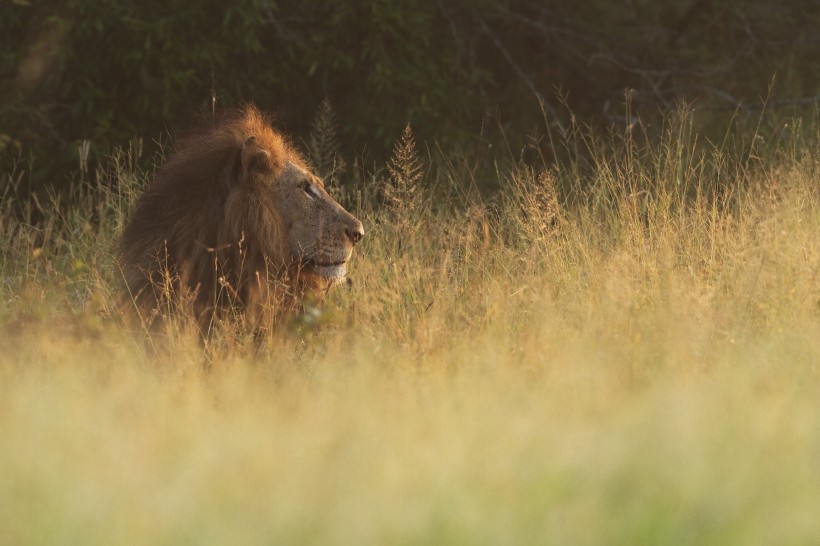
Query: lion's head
{"x": 235, "y": 219}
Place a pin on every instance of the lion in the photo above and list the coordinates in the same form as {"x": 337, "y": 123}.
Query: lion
{"x": 234, "y": 224}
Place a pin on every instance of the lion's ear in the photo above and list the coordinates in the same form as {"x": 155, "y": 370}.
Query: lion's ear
{"x": 253, "y": 158}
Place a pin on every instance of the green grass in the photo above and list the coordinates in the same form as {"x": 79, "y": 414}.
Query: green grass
{"x": 622, "y": 350}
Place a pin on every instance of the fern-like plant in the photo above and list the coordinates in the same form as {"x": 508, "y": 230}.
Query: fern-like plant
{"x": 323, "y": 145}
{"x": 402, "y": 191}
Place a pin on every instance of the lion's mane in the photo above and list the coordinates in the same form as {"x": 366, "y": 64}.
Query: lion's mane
{"x": 193, "y": 239}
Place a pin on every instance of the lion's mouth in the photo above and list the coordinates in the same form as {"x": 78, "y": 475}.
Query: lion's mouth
{"x": 317, "y": 263}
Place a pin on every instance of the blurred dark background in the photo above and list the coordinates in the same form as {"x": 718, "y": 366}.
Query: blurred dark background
{"x": 461, "y": 72}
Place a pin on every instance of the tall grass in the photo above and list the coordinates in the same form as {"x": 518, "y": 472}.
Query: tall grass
{"x": 619, "y": 347}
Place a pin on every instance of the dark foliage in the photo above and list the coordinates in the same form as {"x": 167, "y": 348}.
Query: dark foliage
{"x": 106, "y": 71}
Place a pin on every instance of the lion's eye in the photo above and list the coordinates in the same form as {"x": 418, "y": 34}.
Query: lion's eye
{"x": 310, "y": 191}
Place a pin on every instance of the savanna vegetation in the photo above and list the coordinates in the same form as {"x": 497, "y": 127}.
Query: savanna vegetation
{"x": 634, "y": 362}
{"x": 586, "y": 333}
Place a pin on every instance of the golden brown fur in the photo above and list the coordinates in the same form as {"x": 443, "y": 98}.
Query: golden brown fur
{"x": 234, "y": 221}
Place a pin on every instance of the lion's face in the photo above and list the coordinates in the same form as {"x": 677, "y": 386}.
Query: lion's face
{"x": 320, "y": 232}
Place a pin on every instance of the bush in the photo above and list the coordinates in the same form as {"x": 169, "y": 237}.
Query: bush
{"x": 107, "y": 70}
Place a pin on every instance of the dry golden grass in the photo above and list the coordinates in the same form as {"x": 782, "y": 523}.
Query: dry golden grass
{"x": 632, "y": 359}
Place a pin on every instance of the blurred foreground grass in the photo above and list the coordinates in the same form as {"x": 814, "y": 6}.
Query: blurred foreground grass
{"x": 624, "y": 349}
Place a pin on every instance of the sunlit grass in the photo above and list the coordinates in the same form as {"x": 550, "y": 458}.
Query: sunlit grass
{"x": 625, "y": 349}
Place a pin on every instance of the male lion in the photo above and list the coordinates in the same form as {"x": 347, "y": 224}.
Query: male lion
{"x": 234, "y": 221}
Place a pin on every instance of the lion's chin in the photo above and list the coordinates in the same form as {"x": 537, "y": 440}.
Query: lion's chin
{"x": 335, "y": 272}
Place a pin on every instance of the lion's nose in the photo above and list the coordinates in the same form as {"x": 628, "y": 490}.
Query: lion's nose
{"x": 355, "y": 232}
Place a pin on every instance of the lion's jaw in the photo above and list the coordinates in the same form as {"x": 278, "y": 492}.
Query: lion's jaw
{"x": 331, "y": 266}
{"x": 334, "y": 272}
